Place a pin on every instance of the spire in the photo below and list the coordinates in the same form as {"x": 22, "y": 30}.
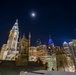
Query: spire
{"x": 23, "y": 35}
{"x": 29, "y": 39}
{"x": 16, "y": 23}
{"x": 15, "y": 27}
{"x": 29, "y": 35}
{"x": 17, "y": 20}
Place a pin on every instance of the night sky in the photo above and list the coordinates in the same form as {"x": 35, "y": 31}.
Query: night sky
{"x": 57, "y": 18}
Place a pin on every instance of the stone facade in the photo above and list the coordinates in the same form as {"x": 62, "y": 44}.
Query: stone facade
{"x": 22, "y": 58}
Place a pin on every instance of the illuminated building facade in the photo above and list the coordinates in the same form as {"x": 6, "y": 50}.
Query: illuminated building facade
{"x": 50, "y": 44}
{"x": 11, "y": 46}
{"x": 41, "y": 52}
{"x": 69, "y": 56}
{"x": 51, "y": 60}
{"x": 22, "y": 57}
{"x": 3, "y": 49}
{"x": 37, "y": 51}
{"x": 72, "y": 46}
{"x": 61, "y": 59}
{"x": 33, "y": 53}
{"x": 13, "y": 37}
{"x": 57, "y": 58}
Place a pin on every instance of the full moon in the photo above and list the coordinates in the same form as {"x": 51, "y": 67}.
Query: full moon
{"x": 33, "y": 14}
